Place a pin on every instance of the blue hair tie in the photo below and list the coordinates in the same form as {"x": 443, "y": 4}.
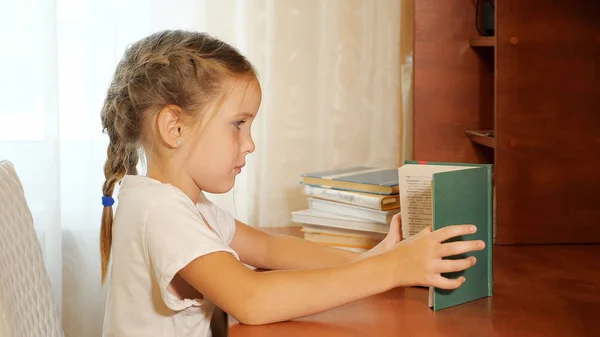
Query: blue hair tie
{"x": 107, "y": 201}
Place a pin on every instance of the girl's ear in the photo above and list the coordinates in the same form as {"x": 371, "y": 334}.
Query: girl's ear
{"x": 169, "y": 125}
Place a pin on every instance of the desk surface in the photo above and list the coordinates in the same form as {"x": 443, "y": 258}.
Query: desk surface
{"x": 538, "y": 291}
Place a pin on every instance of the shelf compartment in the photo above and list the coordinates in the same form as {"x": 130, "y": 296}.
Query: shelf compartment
{"x": 483, "y": 41}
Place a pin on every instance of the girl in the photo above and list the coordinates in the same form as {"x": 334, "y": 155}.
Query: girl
{"x": 188, "y": 101}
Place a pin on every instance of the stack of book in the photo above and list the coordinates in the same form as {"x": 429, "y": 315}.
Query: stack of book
{"x": 349, "y": 208}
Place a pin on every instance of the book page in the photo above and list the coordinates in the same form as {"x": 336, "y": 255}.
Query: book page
{"x": 417, "y": 203}
{"x": 416, "y": 200}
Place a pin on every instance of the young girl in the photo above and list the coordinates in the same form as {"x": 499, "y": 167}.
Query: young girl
{"x": 188, "y": 101}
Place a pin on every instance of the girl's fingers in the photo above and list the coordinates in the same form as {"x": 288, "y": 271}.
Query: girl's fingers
{"x": 427, "y": 229}
{"x": 449, "y": 266}
{"x": 447, "y": 283}
{"x": 396, "y": 227}
{"x": 449, "y": 232}
{"x": 460, "y": 247}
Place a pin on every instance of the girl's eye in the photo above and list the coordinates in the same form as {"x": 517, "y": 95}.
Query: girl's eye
{"x": 238, "y": 124}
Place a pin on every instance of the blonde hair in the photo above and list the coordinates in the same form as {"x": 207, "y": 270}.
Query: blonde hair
{"x": 172, "y": 67}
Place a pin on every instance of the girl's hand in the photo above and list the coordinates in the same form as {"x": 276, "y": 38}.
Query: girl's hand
{"x": 418, "y": 260}
{"x": 393, "y": 237}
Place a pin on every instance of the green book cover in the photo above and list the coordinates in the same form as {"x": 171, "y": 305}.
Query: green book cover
{"x": 443, "y": 194}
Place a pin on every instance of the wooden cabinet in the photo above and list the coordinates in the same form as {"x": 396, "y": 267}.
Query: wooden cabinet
{"x": 526, "y": 100}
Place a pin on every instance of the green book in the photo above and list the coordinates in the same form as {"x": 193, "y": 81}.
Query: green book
{"x": 442, "y": 194}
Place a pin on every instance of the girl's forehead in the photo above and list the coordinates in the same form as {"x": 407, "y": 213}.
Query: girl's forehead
{"x": 245, "y": 94}
{"x": 244, "y": 85}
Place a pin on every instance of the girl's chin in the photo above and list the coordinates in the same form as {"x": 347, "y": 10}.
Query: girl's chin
{"x": 221, "y": 188}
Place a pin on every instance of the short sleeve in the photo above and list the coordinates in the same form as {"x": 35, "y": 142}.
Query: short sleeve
{"x": 175, "y": 234}
{"x": 226, "y": 222}
{"x": 220, "y": 219}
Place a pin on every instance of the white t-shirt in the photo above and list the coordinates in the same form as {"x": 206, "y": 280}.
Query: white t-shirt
{"x": 157, "y": 230}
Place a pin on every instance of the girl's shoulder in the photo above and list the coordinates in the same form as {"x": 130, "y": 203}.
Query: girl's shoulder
{"x": 142, "y": 194}
{"x": 149, "y": 187}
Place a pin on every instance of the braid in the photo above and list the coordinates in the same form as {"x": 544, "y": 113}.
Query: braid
{"x": 122, "y": 158}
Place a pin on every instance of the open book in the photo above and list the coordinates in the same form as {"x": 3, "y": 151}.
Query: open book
{"x": 442, "y": 194}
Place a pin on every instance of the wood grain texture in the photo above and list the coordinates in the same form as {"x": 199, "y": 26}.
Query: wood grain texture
{"x": 548, "y": 121}
{"x": 538, "y": 291}
{"x": 453, "y": 82}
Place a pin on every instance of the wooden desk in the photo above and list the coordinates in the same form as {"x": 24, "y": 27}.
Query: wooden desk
{"x": 538, "y": 291}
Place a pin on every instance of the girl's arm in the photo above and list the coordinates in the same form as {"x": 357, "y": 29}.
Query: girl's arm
{"x": 268, "y": 297}
{"x": 263, "y": 250}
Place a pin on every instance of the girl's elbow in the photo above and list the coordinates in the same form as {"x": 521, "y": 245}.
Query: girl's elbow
{"x": 251, "y": 316}
{"x": 254, "y": 311}
{"x": 250, "y": 320}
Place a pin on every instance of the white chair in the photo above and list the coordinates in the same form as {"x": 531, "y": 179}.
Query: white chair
{"x": 27, "y": 308}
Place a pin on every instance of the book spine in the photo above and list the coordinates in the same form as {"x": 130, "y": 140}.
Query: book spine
{"x": 344, "y": 197}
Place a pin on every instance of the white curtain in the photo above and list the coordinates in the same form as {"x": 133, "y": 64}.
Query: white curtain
{"x": 330, "y": 71}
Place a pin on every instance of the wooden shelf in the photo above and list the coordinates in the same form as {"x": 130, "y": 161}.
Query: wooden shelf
{"x": 483, "y": 41}
{"x": 482, "y": 137}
